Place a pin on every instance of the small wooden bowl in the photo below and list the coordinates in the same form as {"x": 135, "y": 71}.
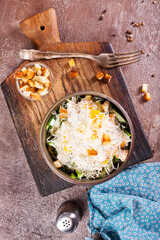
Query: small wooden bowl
{"x": 60, "y": 172}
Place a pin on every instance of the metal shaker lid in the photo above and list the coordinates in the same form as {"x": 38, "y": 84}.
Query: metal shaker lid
{"x": 68, "y": 216}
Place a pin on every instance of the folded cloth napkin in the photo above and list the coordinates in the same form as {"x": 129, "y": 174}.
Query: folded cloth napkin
{"x": 128, "y": 205}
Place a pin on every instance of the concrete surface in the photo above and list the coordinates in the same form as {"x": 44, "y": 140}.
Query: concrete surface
{"x": 24, "y": 215}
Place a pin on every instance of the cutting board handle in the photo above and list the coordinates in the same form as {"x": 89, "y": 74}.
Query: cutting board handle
{"x": 42, "y": 28}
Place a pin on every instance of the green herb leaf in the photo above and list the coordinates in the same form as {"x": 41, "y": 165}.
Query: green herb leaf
{"x": 116, "y": 161}
{"x": 118, "y": 116}
{"x": 73, "y": 176}
{"x": 127, "y": 132}
{"x": 52, "y": 151}
{"x": 50, "y": 143}
{"x": 48, "y": 126}
{"x": 98, "y": 99}
{"x": 62, "y": 120}
{"x": 79, "y": 174}
{"x": 99, "y": 106}
{"x": 64, "y": 105}
{"x": 102, "y": 173}
{"x": 78, "y": 99}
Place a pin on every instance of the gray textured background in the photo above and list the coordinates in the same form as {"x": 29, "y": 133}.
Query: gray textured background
{"x": 24, "y": 215}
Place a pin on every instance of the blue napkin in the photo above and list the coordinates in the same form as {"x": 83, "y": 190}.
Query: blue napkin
{"x": 127, "y": 206}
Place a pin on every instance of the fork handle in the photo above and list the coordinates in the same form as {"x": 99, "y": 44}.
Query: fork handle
{"x": 36, "y": 54}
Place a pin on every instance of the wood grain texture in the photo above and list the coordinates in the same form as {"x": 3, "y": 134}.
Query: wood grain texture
{"x": 42, "y": 28}
{"x": 25, "y": 214}
{"x": 27, "y": 115}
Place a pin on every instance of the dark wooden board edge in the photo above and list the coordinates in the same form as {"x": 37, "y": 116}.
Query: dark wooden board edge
{"x": 148, "y": 153}
{"x": 144, "y": 152}
{"x": 135, "y": 159}
{"x": 40, "y": 183}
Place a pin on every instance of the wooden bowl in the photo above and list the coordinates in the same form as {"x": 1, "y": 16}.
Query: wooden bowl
{"x": 60, "y": 172}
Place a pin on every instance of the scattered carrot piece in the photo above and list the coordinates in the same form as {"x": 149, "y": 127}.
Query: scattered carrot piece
{"x": 107, "y": 77}
{"x": 106, "y": 137}
{"x": 147, "y": 96}
{"x": 91, "y": 152}
{"x": 64, "y": 115}
{"x": 63, "y": 112}
{"x": 73, "y": 74}
{"x": 122, "y": 144}
{"x": 99, "y": 75}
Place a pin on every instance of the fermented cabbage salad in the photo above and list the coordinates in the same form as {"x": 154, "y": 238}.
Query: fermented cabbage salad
{"x": 88, "y": 137}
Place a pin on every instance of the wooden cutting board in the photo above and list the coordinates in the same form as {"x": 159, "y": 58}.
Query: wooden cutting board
{"x": 27, "y": 115}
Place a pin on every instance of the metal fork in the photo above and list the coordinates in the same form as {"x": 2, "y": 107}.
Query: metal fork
{"x": 107, "y": 60}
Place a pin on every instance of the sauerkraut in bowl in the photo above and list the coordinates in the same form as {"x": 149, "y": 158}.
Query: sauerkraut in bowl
{"x": 87, "y": 137}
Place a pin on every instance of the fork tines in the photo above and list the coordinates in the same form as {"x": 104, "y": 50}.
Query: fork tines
{"x": 121, "y": 59}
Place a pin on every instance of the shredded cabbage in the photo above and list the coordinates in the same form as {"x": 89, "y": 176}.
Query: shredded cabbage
{"x": 88, "y": 139}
